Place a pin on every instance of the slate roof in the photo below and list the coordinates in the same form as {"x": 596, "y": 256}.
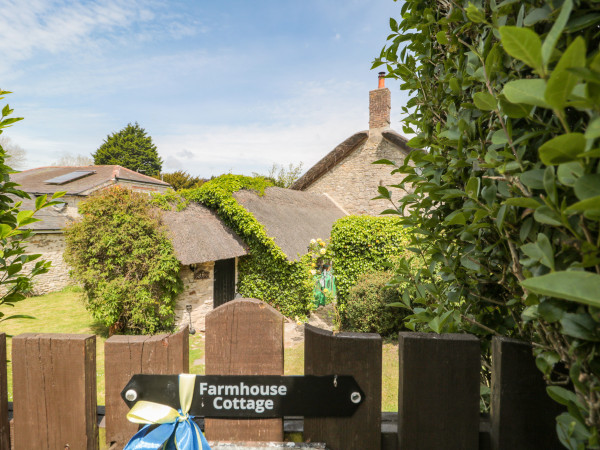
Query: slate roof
{"x": 33, "y": 180}
{"x": 291, "y": 218}
{"x": 198, "y": 235}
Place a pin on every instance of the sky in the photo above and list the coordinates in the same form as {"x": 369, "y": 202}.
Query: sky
{"x": 220, "y": 86}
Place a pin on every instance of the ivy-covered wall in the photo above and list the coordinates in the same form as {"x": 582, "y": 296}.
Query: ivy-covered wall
{"x": 362, "y": 244}
{"x": 266, "y": 273}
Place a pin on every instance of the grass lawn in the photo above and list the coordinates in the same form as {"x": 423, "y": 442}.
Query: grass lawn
{"x": 63, "y": 312}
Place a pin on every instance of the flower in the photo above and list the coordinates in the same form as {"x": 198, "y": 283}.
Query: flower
{"x": 322, "y": 244}
{"x": 314, "y": 264}
{"x": 312, "y": 241}
{"x": 313, "y": 272}
{"x": 323, "y": 251}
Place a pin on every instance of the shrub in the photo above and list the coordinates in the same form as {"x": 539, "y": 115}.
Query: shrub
{"x": 367, "y": 307}
{"x": 125, "y": 262}
{"x": 505, "y": 202}
{"x": 363, "y": 244}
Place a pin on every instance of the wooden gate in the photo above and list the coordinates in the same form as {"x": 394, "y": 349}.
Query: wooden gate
{"x": 224, "y": 284}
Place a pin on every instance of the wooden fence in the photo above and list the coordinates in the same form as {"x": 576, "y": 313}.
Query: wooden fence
{"x": 54, "y": 386}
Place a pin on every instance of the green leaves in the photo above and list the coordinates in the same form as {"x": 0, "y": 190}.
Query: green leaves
{"x": 576, "y": 286}
{"x": 475, "y": 14}
{"x": 485, "y": 101}
{"x": 561, "y": 149}
{"x": 523, "y": 44}
{"x": 562, "y": 81}
{"x": 557, "y": 28}
{"x": 528, "y": 92}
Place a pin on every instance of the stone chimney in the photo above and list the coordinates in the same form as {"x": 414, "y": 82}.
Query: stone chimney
{"x": 380, "y": 103}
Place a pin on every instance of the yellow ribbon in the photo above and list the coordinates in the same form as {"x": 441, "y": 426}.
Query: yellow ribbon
{"x": 149, "y": 413}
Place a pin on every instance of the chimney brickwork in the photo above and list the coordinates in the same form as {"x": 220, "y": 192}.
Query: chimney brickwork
{"x": 380, "y": 104}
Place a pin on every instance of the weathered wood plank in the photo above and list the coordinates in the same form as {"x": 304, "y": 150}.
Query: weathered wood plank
{"x": 4, "y": 424}
{"x": 54, "y": 391}
{"x": 125, "y": 356}
{"x": 522, "y": 414}
{"x": 244, "y": 337}
{"x": 438, "y": 391}
{"x": 356, "y": 354}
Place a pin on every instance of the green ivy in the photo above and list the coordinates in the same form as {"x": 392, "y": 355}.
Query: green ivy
{"x": 265, "y": 273}
{"x": 505, "y": 201}
{"x": 363, "y": 244}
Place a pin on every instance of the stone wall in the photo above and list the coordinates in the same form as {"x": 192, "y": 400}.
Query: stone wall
{"x": 196, "y": 292}
{"x": 51, "y": 246}
{"x": 353, "y": 182}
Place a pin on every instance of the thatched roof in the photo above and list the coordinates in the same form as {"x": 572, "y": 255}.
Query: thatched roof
{"x": 36, "y": 180}
{"x": 198, "y": 235}
{"x": 291, "y": 218}
{"x": 330, "y": 160}
{"x": 341, "y": 152}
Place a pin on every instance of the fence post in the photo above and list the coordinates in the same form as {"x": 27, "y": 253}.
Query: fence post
{"x": 4, "y": 424}
{"x": 125, "y": 356}
{"x": 244, "y": 337}
{"x": 438, "y": 391}
{"x": 356, "y": 354}
{"x": 522, "y": 415}
{"x": 54, "y": 391}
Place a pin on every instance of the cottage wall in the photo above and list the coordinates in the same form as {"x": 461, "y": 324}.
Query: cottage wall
{"x": 196, "y": 292}
{"x": 353, "y": 182}
{"x": 52, "y": 247}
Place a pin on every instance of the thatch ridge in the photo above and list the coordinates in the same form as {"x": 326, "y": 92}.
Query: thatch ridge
{"x": 329, "y": 161}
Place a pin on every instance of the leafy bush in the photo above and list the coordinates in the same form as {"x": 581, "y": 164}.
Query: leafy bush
{"x": 363, "y": 244}
{"x": 265, "y": 273}
{"x": 367, "y": 307}
{"x": 125, "y": 262}
{"x": 505, "y": 202}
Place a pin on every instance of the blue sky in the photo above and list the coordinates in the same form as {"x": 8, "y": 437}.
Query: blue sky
{"x": 221, "y": 86}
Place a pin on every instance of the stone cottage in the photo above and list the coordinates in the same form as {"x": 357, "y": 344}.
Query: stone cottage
{"x": 347, "y": 175}
{"x": 78, "y": 183}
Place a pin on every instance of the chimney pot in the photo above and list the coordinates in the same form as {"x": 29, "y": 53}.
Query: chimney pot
{"x": 381, "y": 80}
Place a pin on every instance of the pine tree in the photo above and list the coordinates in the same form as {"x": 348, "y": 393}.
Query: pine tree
{"x": 132, "y": 148}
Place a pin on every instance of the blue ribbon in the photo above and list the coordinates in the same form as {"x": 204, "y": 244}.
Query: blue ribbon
{"x": 175, "y": 431}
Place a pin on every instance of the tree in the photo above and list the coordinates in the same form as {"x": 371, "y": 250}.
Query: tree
{"x": 17, "y": 267}
{"x": 130, "y": 148}
{"x": 126, "y": 263}
{"x": 15, "y": 154}
{"x": 68, "y": 159}
{"x": 181, "y": 180}
{"x": 505, "y": 202}
{"x": 282, "y": 176}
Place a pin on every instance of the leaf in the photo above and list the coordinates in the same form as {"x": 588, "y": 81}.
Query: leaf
{"x": 523, "y": 44}
{"x": 472, "y": 188}
{"x": 547, "y": 215}
{"x": 579, "y": 326}
{"x": 562, "y": 81}
{"x": 455, "y": 218}
{"x": 442, "y": 38}
{"x": 514, "y": 111}
{"x": 561, "y": 395}
{"x": 485, "y": 101}
{"x": 417, "y": 142}
{"x": 39, "y": 201}
{"x": 475, "y": 14}
{"x": 384, "y": 192}
{"x": 555, "y": 31}
{"x": 593, "y": 129}
{"x": 527, "y": 91}
{"x": 561, "y": 149}
{"x": 470, "y": 264}
{"x": 22, "y": 215}
{"x": 523, "y": 202}
{"x": 533, "y": 179}
{"x": 577, "y": 286}
{"x": 499, "y": 138}
{"x": 500, "y": 217}
{"x": 587, "y": 186}
{"x": 591, "y": 203}
{"x": 569, "y": 173}
{"x": 551, "y": 310}
{"x": 541, "y": 251}
{"x": 384, "y": 161}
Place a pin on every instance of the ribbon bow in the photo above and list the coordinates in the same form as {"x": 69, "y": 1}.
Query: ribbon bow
{"x": 175, "y": 431}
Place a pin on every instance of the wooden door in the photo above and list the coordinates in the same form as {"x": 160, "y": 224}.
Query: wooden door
{"x": 224, "y": 285}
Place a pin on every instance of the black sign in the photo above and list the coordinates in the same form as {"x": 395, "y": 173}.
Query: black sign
{"x": 261, "y": 396}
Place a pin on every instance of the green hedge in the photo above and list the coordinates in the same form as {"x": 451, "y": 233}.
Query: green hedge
{"x": 265, "y": 273}
{"x": 505, "y": 202}
{"x": 362, "y": 244}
